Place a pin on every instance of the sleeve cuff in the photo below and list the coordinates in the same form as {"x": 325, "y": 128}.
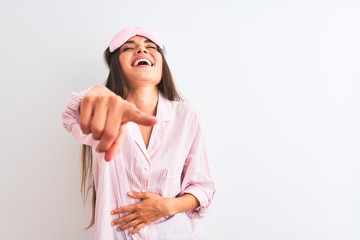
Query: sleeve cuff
{"x": 203, "y": 199}
{"x": 71, "y": 114}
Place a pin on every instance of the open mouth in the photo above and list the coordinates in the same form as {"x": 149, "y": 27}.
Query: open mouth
{"x": 142, "y": 62}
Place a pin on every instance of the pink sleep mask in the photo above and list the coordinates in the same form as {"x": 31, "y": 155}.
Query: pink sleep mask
{"x": 121, "y": 37}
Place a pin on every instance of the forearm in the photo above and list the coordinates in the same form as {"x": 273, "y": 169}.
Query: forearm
{"x": 184, "y": 203}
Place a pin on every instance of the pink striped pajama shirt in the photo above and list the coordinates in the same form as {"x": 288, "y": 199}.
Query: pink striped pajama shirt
{"x": 175, "y": 162}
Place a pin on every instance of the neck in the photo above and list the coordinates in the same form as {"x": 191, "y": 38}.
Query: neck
{"x": 145, "y": 99}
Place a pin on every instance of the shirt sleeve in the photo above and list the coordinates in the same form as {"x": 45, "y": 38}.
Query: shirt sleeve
{"x": 196, "y": 176}
{"x": 71, "y": 116}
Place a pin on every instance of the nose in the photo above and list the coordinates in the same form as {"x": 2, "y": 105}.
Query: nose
{"x": 141, "y": 49}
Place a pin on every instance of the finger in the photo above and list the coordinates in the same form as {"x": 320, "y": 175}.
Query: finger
{"x": 113, "y": 123}
{"x": 133, "y": 223}
{"x": 137, "y": 228}
{"x": 127, "y": 209}
{"x": 111, "y": 130}
{"x": 124, "y": 219}
{"x": 117, "y": 144}
{"x": 132, "y": 113}
{"x": 139, "y": 195}
{"x": 86, "y": 112}
{"x": 99, "y": 119}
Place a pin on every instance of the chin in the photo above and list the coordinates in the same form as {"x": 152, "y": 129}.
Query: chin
{"x": 149, "y": 78}
{"x": 140, "y": 81}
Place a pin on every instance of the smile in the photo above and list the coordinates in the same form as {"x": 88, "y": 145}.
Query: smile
{"x": 142, "y": 62}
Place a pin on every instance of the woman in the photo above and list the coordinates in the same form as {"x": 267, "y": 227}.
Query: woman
{"x": 145, "y": 152}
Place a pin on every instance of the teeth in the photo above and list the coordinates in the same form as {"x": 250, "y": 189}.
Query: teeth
{"x": 142, "y": 60}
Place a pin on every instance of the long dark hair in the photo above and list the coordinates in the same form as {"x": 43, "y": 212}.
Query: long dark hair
{"x": 116, "y": 82}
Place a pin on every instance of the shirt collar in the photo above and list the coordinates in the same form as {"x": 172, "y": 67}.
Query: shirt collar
{"x": 164, "y": 111}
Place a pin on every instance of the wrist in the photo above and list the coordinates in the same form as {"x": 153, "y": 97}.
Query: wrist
{"x": 171, "y": 208}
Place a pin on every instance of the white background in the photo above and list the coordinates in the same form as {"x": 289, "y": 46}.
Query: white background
{"x": 276, "y": 84}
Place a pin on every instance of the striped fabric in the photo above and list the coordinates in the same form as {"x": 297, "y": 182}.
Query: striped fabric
{"x": 174, "y": 163}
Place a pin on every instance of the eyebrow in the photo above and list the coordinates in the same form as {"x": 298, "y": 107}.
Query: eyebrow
{"x": 133, "y": 42}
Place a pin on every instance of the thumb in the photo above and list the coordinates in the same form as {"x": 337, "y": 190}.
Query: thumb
{"x": 133, "y": 114}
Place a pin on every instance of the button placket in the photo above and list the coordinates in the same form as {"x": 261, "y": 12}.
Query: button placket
{"x": 146, "y": 175}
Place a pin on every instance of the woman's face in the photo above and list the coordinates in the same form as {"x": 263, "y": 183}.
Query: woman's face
{"x": 140, "y": 62}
